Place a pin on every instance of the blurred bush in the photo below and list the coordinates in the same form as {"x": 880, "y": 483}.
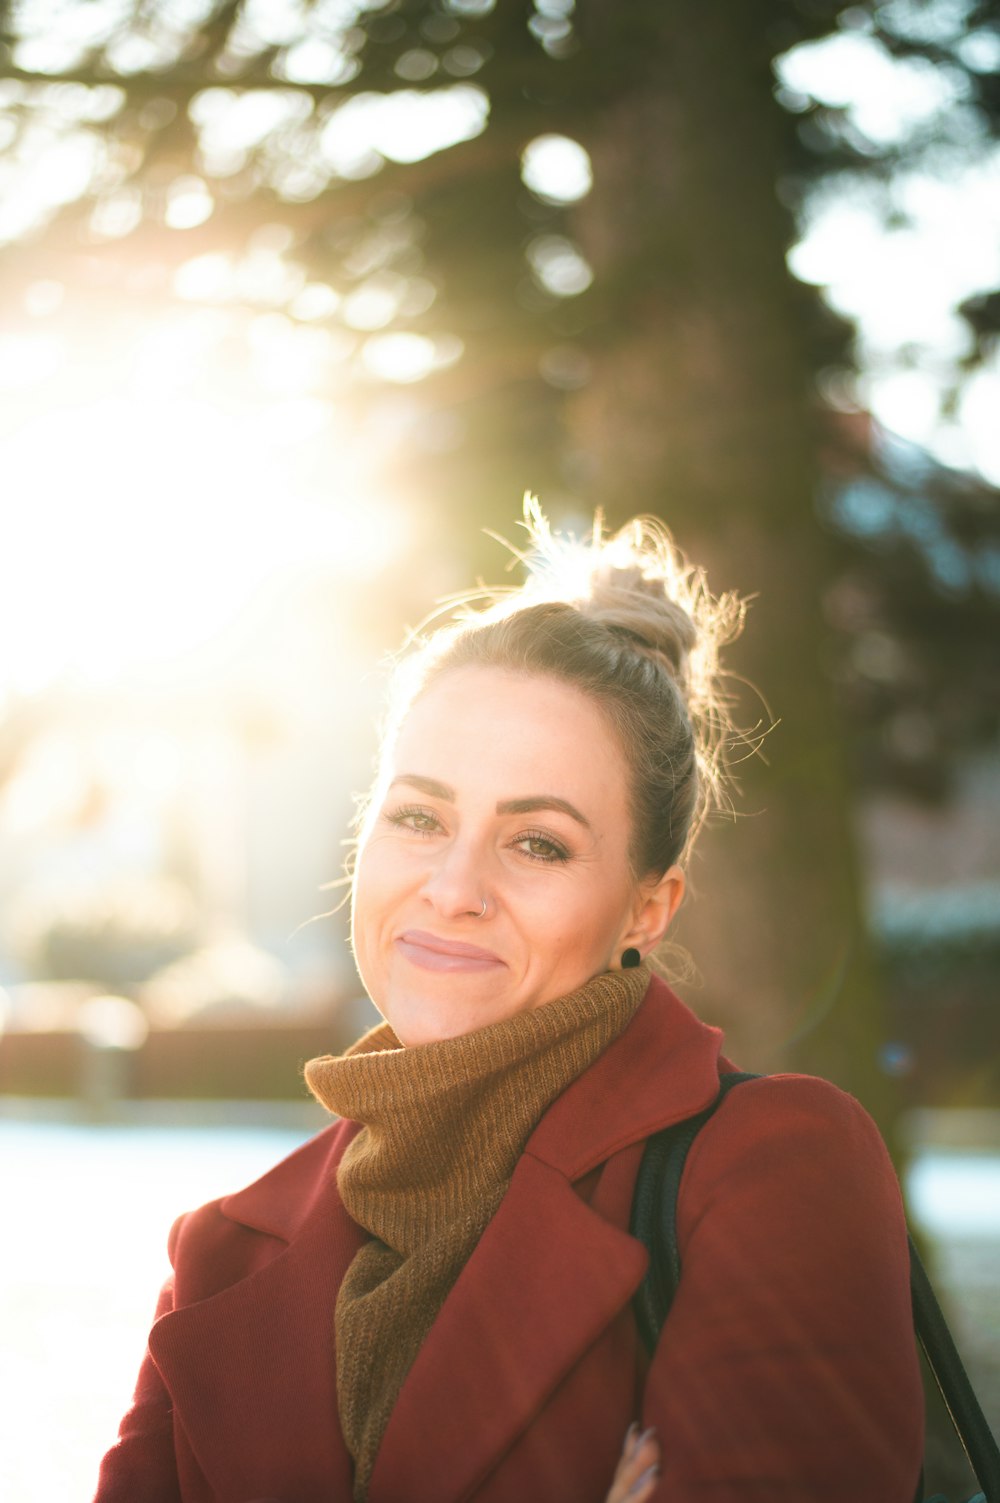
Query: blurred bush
{"x": 116, "y": 936}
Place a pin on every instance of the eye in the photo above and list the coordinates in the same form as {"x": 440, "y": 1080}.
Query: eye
{"x": 420, "y": 821}
{"x": 539, "y": 847}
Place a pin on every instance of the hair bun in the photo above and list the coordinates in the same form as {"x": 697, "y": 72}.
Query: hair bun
{"x": 639, "y": 584}
{"x": 634, "y": 604}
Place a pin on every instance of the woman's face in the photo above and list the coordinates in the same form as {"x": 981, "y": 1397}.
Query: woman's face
{"x": 508, "y": 789}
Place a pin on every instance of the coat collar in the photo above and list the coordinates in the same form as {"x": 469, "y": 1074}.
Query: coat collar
{"x": 282, "y": 1200}
{"x": 253, "y": 1366}
{"x": 662, "y": 1068}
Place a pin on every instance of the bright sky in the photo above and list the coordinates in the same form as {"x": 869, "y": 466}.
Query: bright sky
{"x": 902, "y": 284}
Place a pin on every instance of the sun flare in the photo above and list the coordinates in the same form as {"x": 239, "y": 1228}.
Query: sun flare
{"x": 138, "y": 523}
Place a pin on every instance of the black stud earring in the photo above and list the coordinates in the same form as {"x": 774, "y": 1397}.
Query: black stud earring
{"x": 630, "y": 959}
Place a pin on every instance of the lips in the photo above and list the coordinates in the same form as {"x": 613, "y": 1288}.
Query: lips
{"x": 432, "y": 953}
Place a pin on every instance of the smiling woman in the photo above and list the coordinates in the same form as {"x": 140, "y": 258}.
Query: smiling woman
{"x": 431, "y": 1302}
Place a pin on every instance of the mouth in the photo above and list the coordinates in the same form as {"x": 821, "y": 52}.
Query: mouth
{"x": 431, "y": 953}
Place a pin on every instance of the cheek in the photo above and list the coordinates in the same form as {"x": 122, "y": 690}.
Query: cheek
{"x": 367, "y": 910}
{"x": 365, "y": 899}
{"x": 381, "y": 877}
{"x": 372, "y": 870}
{"x": 569, "y": 926}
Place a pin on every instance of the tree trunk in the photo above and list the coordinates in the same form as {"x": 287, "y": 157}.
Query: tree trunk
{"x": 700, "y": 411}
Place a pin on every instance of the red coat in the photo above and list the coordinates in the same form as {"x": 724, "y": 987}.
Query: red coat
{"x": 786, "y": 1371}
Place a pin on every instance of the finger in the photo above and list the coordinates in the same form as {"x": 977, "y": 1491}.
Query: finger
{"x": 645, "y": 1450}
{"x": 642, "y": 1487}
{"x": 640, "y": 1453}
{"x": 635, "y": 1489}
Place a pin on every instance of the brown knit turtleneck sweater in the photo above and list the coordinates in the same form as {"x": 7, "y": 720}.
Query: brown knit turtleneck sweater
{"x": 444, "y": 1126}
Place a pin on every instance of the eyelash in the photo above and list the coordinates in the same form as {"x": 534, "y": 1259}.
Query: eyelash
{"x": 402, "y": 818}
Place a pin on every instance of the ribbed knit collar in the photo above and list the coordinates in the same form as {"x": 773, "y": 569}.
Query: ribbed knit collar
{"x": 445, "y": 1121}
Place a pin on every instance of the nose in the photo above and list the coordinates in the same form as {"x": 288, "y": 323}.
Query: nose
{"x": 456, "y": 881}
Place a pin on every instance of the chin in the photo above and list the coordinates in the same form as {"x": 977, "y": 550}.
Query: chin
{"x": 431, "y": 1026}
{"x": 418, "y": 1020}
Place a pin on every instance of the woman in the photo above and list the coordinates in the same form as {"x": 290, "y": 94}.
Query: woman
{"x": 430, "y": 1302}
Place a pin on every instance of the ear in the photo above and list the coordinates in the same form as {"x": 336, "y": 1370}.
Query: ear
{"x": 655, "y": 907}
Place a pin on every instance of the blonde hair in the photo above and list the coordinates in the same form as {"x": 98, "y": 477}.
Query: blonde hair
{"x": 629, "y": 622}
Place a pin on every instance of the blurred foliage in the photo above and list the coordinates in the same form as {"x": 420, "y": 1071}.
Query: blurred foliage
{"x": 917, "y": 607}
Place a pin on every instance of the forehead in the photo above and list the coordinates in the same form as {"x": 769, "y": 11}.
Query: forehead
{"x": 513, "y": 735}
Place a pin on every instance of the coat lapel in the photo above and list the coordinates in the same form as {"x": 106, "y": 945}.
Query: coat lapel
{"x": 251, "y": 1369}
{"x": 547, "y": 1277}
{"x": 550, "y": 1272}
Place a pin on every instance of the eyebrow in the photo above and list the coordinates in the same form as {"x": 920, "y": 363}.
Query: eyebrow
{"x": 505, "y": 806}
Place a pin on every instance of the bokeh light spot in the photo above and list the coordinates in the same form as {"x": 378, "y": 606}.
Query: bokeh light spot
{"x": 559, "y": 266}
{"x": 557, "y": 169}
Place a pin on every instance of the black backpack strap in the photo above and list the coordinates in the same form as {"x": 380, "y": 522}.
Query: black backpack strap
{"x": 953, "y": 1381}
{"x": 654, "y": 1212}
{"x": 654, "y": 1223}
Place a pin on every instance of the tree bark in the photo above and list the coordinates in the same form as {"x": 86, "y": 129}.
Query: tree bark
{"x": 700, "y": 411}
